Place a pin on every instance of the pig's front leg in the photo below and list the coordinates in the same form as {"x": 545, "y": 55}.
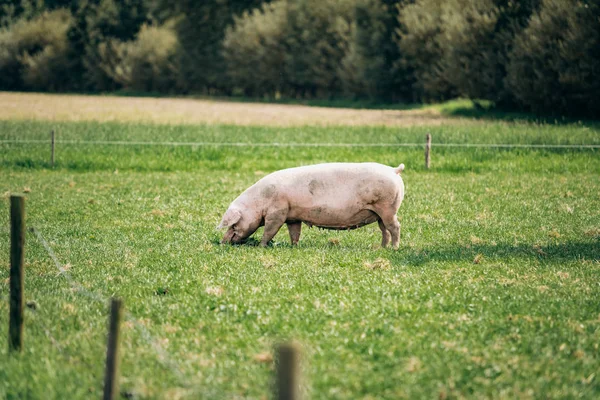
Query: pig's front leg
{"x": 273, "y": 221}
{"x": 294, "y": 228}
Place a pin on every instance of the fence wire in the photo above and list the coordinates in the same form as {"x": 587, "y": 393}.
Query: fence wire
{"x": 297, "y": 144}
{"x": 163, "y": 356}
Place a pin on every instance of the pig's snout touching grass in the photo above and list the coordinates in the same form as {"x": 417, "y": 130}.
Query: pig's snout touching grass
{"x": 229, "y": 237}
{"x": 338, "y": 196}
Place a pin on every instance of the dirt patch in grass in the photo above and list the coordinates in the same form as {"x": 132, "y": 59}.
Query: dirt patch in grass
{"x": 51, "y": 107}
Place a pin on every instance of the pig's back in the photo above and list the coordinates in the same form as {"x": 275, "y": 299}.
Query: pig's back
{"x": 336, "y": 176}
{"x": 337, "y": 194}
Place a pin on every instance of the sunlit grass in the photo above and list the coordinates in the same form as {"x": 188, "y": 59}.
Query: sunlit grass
{"x": 493, "y": 293}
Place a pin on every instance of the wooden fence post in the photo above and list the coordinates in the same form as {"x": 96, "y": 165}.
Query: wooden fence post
{"x": 17, "y": 244}
{"x": 288, "y": 371}
{"x": 428, "y": 151}
{"x": 52, "y": 148}
{"x": 111, "y": 375}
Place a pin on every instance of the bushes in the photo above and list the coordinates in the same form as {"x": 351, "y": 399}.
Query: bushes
{"x": 294, "y": 48}
{"x": 555, "y": 65}
{"x": 201, "y": 30}
{"x": 419, "y": 32}
{"x": 147, "y": 63}
{"x": 254, "y": 50}
{"x": 33, "y": 54}
{"x": 97, "y": 22}
{"x": 317, "y": 39}
{"x": 539, "y": 55}
{"x": 370, "y": 66}
{"x": 461, "y": 47}
{"x": 477, "y": 39}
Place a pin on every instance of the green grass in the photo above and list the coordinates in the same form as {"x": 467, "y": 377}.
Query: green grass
{"x": 495, "y": 291}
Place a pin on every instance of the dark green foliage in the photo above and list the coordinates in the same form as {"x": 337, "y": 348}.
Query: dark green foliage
{"x": 477, "y": 38}
{"x": 12, "y": 10}
{"x": 97, "y": 22}
{"x": 314, "y": 55}
{"x": 555, "y": 65}
{"x": 531, "y": 54}
{"x": 461, "y": 47}
{"x": 370, "y": 66}
{"x": 146, "y": 64}
{"x": 278, "y": 54}
{"x": 201, "y": 31}
{"x": 254, "y": 50}
{"x": 420, "y": 27}
{"x": 33, "y": 53}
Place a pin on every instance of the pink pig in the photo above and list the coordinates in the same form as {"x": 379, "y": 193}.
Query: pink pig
{"x": 331, "y": 196}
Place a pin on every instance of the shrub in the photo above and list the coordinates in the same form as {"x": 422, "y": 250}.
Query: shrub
{"x": 420, "y": 28}
{"x": 368, "y": 69}
{"x": 254, "y": 50}
{"x": 555, "y": 64}
{"x": 33, "y": 54}
{"x": 13, "y": 10}
{"x": 317, "y": 40}
{"x": 147, "y": 63}
{"x": 201, "y": 31}
{"x": 478, "y": 35}
{"x": 97, "y": 22}
{"x": 294, "y": 48}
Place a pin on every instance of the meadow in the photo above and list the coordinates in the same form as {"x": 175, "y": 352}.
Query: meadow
{"x": 494, "y": 292}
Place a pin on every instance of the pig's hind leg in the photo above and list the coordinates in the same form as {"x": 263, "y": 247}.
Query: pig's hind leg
{"x": 294, "y": 228}
{"x": 385, "y": 234}
{"x": 390, "y": 221}
{"x": 273, "y": 223}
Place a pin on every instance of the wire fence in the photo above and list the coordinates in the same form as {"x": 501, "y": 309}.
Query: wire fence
{"x": 163, "y": 356}
{"x": 298, "y": 144}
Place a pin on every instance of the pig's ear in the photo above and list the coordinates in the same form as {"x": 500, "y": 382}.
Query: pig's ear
{"x": 231, "y": 216}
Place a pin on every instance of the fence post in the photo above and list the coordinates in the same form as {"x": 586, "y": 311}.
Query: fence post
{"x": 17, "y": 244}
{"x": 111, "y": 375}
{"x": 288, "y": 360}
{"x": 52, "y": 148}
{"x": 428, "y": 151}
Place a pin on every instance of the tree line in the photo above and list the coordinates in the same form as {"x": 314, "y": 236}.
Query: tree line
{"x": 536, "y": 55}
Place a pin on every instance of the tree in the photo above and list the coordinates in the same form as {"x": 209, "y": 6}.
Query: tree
{"x": 478, "y": 36}
{"x": 371, "y": 66}
{"x": 201, "y": 30}
{"x": 97, "y": 22}
{"x": 555, "y": 64}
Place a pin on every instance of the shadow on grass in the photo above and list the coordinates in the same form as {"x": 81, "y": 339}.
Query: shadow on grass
{"x": 553, "y": 252}
{"x": 482, "y": 110}
{"x": 405, "y": 255}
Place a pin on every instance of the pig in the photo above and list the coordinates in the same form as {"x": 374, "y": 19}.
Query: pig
{"x": 338, "y": 196}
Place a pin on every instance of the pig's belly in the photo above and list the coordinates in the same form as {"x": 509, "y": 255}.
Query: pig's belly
{"x": 335, "y": 219}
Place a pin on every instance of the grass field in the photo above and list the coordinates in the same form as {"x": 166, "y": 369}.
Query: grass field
{"x": 494, "y": 292}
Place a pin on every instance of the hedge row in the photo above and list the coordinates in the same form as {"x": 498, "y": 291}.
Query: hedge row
{"x": 538, "y": 55}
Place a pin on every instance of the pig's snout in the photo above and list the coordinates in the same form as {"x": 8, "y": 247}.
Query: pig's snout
{"x": 231, "y": 237}
{"x": 228, "y": 236}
